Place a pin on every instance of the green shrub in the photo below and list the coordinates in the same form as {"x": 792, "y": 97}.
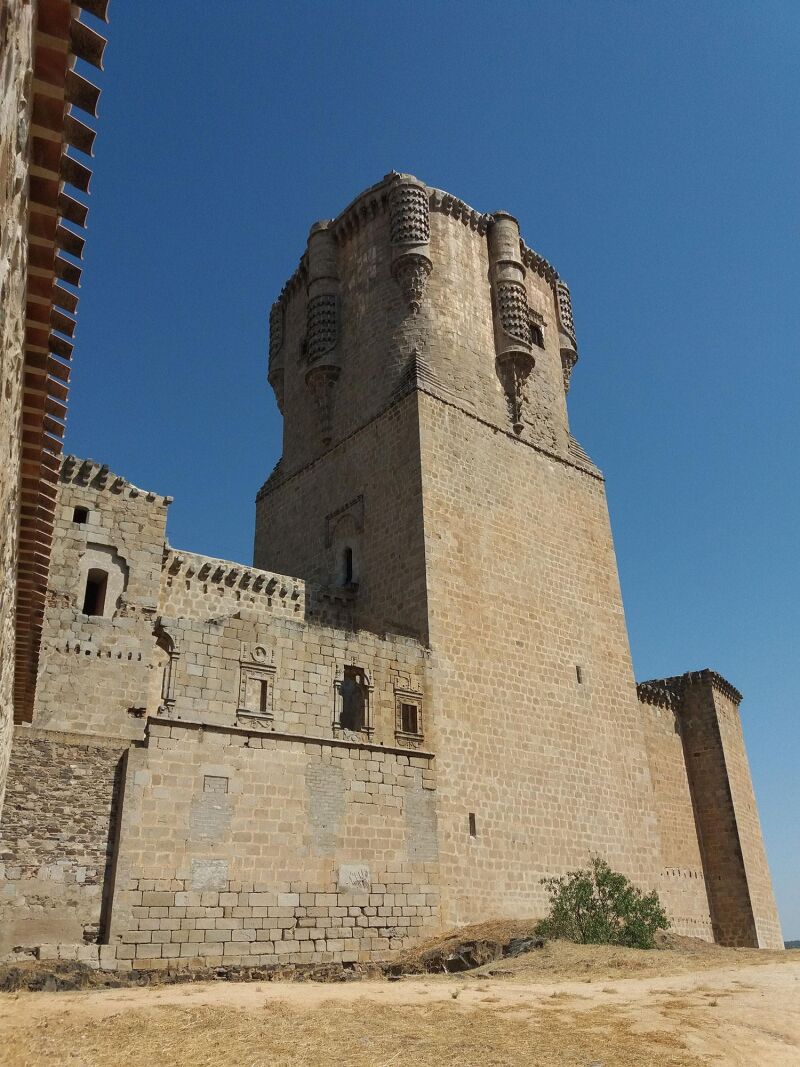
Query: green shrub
{"x": 598, "y": 906}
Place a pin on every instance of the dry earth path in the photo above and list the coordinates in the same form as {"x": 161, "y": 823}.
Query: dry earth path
{"x": 746, "y": 1015}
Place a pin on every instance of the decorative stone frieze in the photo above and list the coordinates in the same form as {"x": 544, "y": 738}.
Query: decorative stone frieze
{"x": 564, "y": 304}
{"x": 512, "y": 334}
{"x": 256, "y": 687}
{"x": 321, "y": 327}
{"x": 276, "y": 366}
{"x": 321, "y": 350}
{"x": 410, "y": 229}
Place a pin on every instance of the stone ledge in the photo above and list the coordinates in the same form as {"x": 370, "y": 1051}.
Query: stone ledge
{"x": 275, "y": 735}
{"x": 23, "y": 732}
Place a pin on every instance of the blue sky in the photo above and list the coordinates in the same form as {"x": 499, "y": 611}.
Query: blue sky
{"x": 649, "y": 150}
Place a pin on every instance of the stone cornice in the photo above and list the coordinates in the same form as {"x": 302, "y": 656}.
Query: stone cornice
{"x": 657, "y": 694}
{"x": 276, "y": 735}
{"x": 577, "y": 458}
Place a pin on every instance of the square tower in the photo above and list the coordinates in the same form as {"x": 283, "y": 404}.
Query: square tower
{"x": 421, "y": 356}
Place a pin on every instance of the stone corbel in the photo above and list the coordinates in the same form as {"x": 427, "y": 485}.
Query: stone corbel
{"x": 409, "y": 220}
{"x": 321, "y": 382}
{"x": 566, "y": 331}
{"x": 514, "y": 359}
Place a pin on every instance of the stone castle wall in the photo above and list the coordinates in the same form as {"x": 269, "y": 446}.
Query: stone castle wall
{"x": 16, "y": 46}
{"x": 235, "y": 660}
{"x": 95, "y": 670}
{"x": 682, "y": 886}
{"x": 240, "y": 847}
{"x": 367, "y": 498}
{"x": 740, "y": 892}
{"x": 532, "y": 679}
{"x": 58, "y": 829}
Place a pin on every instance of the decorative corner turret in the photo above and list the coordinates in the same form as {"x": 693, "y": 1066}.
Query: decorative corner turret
{"x": 409, "y": 221}
{"x": 566, "y": 331}
{"x": 275, "y": 372}
{"x": 321, "y": 347}
{"x": 512, "y": 330}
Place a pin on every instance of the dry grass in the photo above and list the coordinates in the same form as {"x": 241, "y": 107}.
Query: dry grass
{"x": 358, "y": 1034}
{"x": 681, "y": 1006}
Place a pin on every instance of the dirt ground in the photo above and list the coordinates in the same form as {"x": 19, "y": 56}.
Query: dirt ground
{"x": 566, "y": 1005}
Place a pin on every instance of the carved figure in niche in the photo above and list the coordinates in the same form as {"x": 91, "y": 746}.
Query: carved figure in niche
{"x": 353, "y": 691}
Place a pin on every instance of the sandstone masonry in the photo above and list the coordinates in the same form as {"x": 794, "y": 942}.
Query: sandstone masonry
{"x": 420, "y": 699}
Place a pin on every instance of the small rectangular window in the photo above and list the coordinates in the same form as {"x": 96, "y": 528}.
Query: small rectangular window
{"x": 472, "y": 829}
{"x": 409, "y": 718}
{"x": 263, "y": 702}
{"x": 94, "y": 598}
{"x": 80, "y": 515}
{"x": 579, "y": 674}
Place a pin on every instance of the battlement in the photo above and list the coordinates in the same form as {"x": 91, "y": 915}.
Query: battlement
{"x": 374, "y": 201}
{"x": 89, "y": 474}
{"x": 668, "y": 692}
{"x": 194, "y": 585}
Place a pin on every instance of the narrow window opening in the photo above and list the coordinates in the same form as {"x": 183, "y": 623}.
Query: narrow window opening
{"x": 263, "y": 699}
{"x": 579, "y": 674}
{"x": 80, "y": 515}
{"x": 537, "y": 335}
{"x": 472, "y": 830}
{"x": 409, "y": 718}
{"x": 348, "y": 566}
{"x": 354, "y": 700}
{"x": 94, "y": 600}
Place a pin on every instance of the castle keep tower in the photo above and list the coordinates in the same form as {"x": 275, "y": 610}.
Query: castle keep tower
{"x": 419, "y": 701}
{"x": 421, "y": 356}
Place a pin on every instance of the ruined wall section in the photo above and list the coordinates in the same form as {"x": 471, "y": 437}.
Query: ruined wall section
{"x": 237, "y": 848}
{"x": 16, "y": 47}
{"x": 682, "y": 886}
{"x": 58, "y": 830}
{"x": 95, "y": 670}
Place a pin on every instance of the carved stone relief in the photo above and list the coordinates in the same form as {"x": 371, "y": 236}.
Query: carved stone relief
{"x": 256, "y": 687}
{"x": 321, "y": 327}
{"x": 353, "y": 700}
{"x": 566, "y": 332}
{"x": 321, "y": 345}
